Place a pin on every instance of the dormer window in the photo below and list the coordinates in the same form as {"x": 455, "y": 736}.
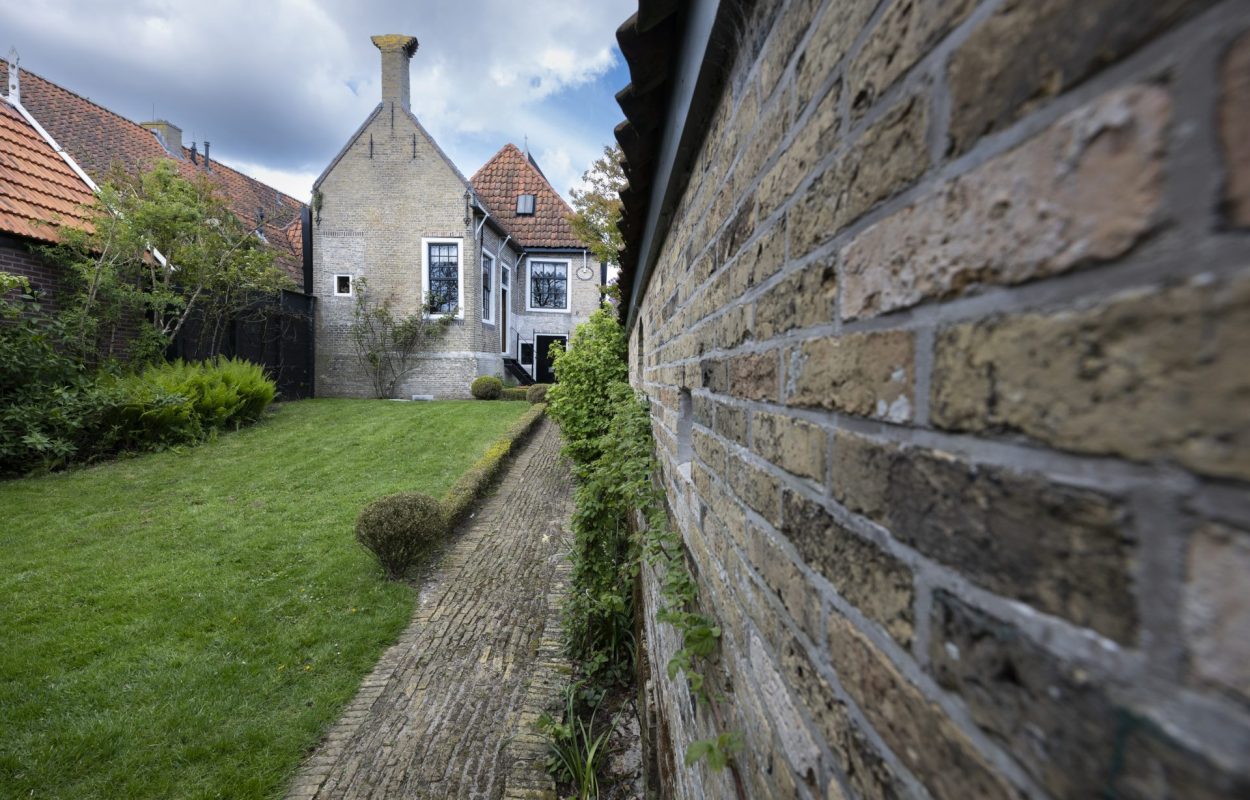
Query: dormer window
{"x": 525, "y": 205}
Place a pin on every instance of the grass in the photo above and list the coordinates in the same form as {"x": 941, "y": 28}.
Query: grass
{"x": 186, "y": 624}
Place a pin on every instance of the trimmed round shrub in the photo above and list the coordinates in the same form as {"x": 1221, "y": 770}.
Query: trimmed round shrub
{"x": 487, "y": 387}
{"x": 537, "y": 393}
{"x": 399, "y": 528}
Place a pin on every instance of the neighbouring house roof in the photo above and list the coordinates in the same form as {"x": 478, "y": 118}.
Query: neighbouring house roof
{"x": 510, "y": 173}
{"x": 98, "y": 138}
{"x": 39, "y": 192}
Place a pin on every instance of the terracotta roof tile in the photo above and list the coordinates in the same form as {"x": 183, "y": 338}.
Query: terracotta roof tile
{"x": 510, "y": 173}
{"x": 98, "y": 139}
{"x": 38, "y": 190}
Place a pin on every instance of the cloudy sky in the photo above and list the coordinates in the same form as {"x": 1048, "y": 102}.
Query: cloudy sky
{"x": 278, "y": 86}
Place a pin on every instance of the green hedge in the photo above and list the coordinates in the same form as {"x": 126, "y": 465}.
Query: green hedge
{"x": 472, "y": 485}
{"x": 486, "y": 387}
{"x": 514, "y": 393}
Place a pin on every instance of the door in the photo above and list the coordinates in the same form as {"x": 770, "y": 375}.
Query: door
{"x": 504, "y": 309}
{"x": 542, "y": 357}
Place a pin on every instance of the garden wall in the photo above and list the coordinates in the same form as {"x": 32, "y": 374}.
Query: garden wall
{"x": 947, "y": 355}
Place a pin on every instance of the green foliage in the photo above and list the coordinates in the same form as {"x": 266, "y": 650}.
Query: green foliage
{"x": 537, "y": 393}
{"x": 386, "y": 342}
{"x": 575, "y": 750}
{"x": 717, "y": 750}
{"x": 597, "y": 209}
{"x": 594, "y": 362}
{"x": 161, "y": 249}
{"x": 514, "y": 393}
{"x": 463, "y": 495}
{"x": 486, "y": 387}
{"x": 400, "y": 528}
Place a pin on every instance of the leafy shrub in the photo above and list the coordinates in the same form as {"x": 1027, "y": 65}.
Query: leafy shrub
{"x": 537, "y": 393}
{"x": 486, "y": 387}
{"x": 399, "y": 528}
{"x": 515, "y": 393}
{"x": 594, "y": 361}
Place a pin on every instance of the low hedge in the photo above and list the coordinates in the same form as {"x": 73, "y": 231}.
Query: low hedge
{"x": 537, "y": 393}
{"x": 397, "y": 542}
{"x": 473, "y": 484}
{"x": 514, "y": 393}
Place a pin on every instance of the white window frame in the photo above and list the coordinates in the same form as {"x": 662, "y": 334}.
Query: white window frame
{"x": 351, "y": 285}
{"x": 568, "y": 285}
{"x": 425, "y": 270}
{"x": 488, "y": 315}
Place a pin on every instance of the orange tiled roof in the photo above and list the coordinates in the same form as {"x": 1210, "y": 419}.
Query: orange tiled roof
{"x": 38, "y": 190}
{"x": 510, "y": 173}
{"x": 98, "y": 139}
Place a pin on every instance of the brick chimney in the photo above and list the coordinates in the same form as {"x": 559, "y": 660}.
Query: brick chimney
{"x": 397, "y": 50}
{"x": 169, "y": 134}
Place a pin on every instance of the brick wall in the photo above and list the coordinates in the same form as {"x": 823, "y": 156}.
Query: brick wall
{"x": 961, "y": 294}
{"x": 17, "y": 258}
{"x": 392, "y": 188}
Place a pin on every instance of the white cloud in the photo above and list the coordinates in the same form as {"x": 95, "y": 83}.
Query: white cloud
{"x": 279, "y": 86}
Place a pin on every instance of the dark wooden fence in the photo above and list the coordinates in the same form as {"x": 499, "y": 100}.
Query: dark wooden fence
{"x": 275, "y": 333}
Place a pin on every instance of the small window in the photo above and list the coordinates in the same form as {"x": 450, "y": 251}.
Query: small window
{"x": 343, "y": 285}
{"x": 549, "y": 285}
{"x": 525, "y": 205}
{"x": 488, "y": 273}
{"x": 527, "y": 352}
{"x": 444, "y": 277}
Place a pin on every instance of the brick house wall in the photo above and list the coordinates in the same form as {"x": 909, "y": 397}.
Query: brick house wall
{"x": 18, "y": 258}
{"x": 960, "y": 295}
{"x": 372, "y": 222}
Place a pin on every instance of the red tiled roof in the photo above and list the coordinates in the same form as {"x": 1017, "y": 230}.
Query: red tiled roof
{"x": 98, "y": 139}
{"x": 510, "y": 173}
{"x": 38, "y": 190}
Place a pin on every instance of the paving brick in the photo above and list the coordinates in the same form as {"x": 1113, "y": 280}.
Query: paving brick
{"x": 1060, "y": 549}
{"x": 1153, "y": 375}
{"x": 1023, "y": 215}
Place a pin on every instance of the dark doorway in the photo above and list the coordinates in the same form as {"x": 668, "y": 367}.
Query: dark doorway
{"x": 542, "y": 358}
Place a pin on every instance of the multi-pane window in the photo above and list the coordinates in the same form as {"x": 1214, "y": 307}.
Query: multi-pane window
{"x": 444, "y": 277}
{"x": 549, "y": 285}
{"x": 488, "y": 272}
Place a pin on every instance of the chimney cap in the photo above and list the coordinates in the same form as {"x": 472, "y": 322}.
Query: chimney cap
{"x": 395, "y": 42}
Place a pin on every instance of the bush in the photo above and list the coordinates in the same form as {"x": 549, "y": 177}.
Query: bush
{"x": 537, "y": 393}
{"x": 487, "y": 387}
{"x": 515, "y": 393}
{"x": 399, "y": 528}
{"x": 594, "y": 361}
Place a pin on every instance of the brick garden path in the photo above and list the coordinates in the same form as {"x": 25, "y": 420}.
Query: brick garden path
{"x": 447, "y": 712}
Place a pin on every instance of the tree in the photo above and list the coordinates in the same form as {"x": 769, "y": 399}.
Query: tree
{"x": 160, "y": 249}
{"x": 385, "y": 343}
{"x": 597, "y": 208}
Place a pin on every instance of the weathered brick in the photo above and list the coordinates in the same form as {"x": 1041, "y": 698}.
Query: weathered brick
{"x": 756, "y": 488}
{"x": 754, "y": 376}
{"x": 801, "y": 300}
{"x": 714, "y": 375}
{"x": 872, "y": 580}
{"x": 760, "y": 261}
{"x": 813, "y": 143}
{"x": 863, "y": 766}
{"x": 1061, "y": 725}
{"x": 1061, "y": 549}
{"x": 832, "y": 36}
{"x": 1155, "y": 766}
{"x": 914, "y": 727}
{"x": 886, "y": 158}
{"x": 1217, "y": 606}
{"x": 794, "y": 445}
{"x": 710, "y": 450}
{"x": 731, "y": 423}
{"x": 866, "y": 374}
{"x": 1235, "y": 130}
{"x": 1032, "y": 50}
{"x": 904, "y": 34}
{"x": 733, "y": 327}
{"x": 1021, "y": 216}
{"x": 1155, "y": 374}
{"x": 784, "y": 578}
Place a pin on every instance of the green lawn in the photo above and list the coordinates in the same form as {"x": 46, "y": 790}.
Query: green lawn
{"x": 186, "y": 624}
